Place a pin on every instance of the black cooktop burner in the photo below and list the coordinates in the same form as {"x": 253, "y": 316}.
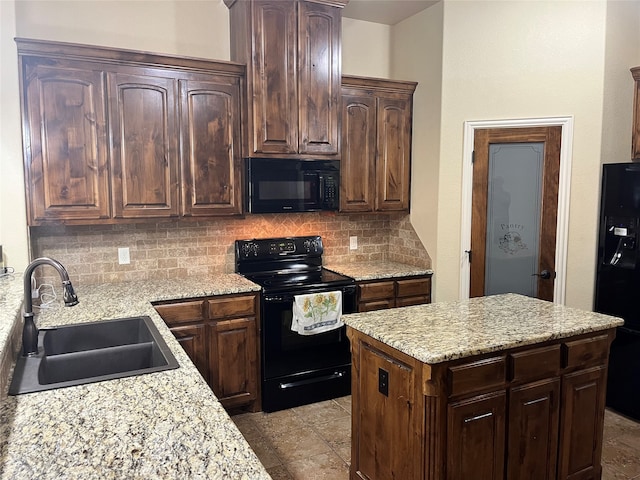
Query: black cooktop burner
{"x": 286, "y": 264}
{"x": 282, "y": 279}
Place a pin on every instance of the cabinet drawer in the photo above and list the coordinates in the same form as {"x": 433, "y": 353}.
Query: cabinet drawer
{"x": 232, "y": 306}
{"x": 586, "y": 352}
{"x": 182, "y": 312}
{"x": 536, "y": 363}
{"x": 408, "y": 301}
{"x": 477, "y": 376}
{"x": 414, "y": 287}
{"x": 376, "y": 290}
{"x": 375, "y": 305}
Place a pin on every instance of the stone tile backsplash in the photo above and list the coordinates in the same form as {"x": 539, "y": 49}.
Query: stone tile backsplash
{"x": 188, "y": 248}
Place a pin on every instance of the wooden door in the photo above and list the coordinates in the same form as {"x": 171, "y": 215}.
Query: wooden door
{"x": 233, "y": 360}
{"x": 527, "y": 245}
{"x": 274, "y": 77}
{"x": 393, "y": 161}
{"x": 635, "y": 128}
{"x": 319, "y": 78}
{"x": 357, "y": 165}
{"x": 211, "y": 148}
{"x": 583, "y": 397}
{"x": 476, "y": 438}
{"x": 532, "y": 450}
{"x": 65, "y": 142}
{"x": 193, "y": 340}
{"x": 144, "y": 146}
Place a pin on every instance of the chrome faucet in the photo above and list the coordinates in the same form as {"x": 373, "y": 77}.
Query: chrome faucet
{"x": 29, "y": 330}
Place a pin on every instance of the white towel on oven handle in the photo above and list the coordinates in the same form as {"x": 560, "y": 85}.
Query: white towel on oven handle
{"x": 317, "y": 312}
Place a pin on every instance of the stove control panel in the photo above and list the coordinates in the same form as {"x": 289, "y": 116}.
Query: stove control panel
{"x": 272, "y": 248}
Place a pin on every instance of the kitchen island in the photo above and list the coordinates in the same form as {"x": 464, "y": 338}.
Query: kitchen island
{"x": 165, "y": 425}
{"x": 496, "y": 387}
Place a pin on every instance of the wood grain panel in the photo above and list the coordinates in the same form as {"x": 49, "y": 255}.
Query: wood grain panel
{"x": 274, "y": 77}
{"x": 319, "y": 33}
{"x": 232, "y": 306}
{"x": 357, "y": 165}
{"x": 211, "y": 156}
{"x": 144, "y": 139}
{"x": 182, "y": 312}
{"x": 65, "y": 142}
{"x": 192, "y": 339}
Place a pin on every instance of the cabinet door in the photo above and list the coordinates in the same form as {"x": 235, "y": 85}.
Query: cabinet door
{"x": 319, "y": 32}
{"x": 357, "y": 165}
{"x": 476, "y": 438}
{"x": 193, "y": 340}
{"x": 533, "y": 430}
{"x": 389, "y": 421}
{"x": 582, "y": 417}
{"x": 233, "y": 361}
{"x": 394, "y": 154}
{"x": 144, "y": 146}
{"x": 274, "y": 77}
{"x": 211, "y": 157}
{"x": 65, "y": 142}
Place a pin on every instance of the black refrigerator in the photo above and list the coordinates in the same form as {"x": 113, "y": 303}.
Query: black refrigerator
{"x": 618, "y": 281}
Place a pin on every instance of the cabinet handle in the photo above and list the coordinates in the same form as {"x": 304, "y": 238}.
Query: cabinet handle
{"x": 478, "y": 417}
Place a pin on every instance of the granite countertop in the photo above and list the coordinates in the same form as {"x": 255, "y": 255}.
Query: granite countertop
{"x": 376, "y": 270}
{"x": 161, "y": 425}
{"x": 445, "y": 331}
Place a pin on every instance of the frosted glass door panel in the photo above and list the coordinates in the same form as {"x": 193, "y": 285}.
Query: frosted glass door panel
{"x": 513, "y": 218}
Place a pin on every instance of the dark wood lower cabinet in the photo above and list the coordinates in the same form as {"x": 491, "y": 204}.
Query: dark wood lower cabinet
{"x": 393, "y": 292}
{"x": 220, "y": 336}
{"x": 528, "y": 413}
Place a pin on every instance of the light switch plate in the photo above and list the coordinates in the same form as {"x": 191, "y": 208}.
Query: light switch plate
{"x": 353, "y": 243}
{"x": 123, "y": 256}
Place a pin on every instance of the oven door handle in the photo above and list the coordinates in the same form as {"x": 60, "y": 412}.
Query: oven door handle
{"x": 348, "y": 290}
{"x": 323, "y": 378}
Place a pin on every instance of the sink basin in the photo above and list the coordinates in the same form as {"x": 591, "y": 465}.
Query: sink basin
{"x": 92, "y": 352}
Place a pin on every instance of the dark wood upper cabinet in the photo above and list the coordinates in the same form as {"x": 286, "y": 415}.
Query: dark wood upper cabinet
{"x": 65, "y": 148}
{"x": 376, "y": 144}
{"x": 211, "y": 156}
{"x": 292, "y": 50}
{"x": 144, "y": 145}
{"x": 118, "y": 136}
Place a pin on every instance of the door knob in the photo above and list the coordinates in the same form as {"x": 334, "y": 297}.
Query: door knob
{"x": 544, "y": 274}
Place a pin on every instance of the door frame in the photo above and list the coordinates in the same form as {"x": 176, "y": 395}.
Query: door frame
{"x": 562, "y": 230}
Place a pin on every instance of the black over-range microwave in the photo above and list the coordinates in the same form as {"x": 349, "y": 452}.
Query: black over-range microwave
{"x": 291, "y": 185}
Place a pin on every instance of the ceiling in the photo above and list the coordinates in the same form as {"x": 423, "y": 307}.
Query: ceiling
{"x": 388, "y": 12}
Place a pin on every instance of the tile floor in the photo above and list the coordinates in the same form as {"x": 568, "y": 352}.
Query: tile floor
{"x": 313, "y": 442}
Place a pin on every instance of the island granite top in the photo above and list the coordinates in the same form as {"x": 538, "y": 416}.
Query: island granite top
{"x": 165, "y": 425}
{"x": 438, "y": 332}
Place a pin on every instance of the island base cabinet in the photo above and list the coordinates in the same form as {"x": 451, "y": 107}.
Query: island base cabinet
{"x": 582, "y": 422}
{"x": 475, "y": 440}
{"x": 386, "y": 398}
{"x": 534, "y": 412}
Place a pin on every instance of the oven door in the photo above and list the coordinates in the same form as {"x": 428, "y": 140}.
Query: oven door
{"x": 299, "y": 369}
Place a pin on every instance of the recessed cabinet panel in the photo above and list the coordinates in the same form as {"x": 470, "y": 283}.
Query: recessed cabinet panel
{"x": 319, "y": 31}
{"x": 394, "y": 144}
{"x": 275, "y": 94}
{"x": 65, "y": 143}
{"x": 144, "y": 146}
{"x": 211, "y": 148}
{"x": 358, "y": 150}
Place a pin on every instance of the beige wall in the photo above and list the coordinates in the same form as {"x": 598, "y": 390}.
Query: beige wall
{"x": 13, "y": 229}
{"x": 365, "y": 48}
{"x": 507, "y": 60}
{"x": 416, "y": 47}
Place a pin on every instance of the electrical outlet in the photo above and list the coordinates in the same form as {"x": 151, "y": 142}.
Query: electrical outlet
{"x": 123, "y": 256}
{"x": 353, "y": 243}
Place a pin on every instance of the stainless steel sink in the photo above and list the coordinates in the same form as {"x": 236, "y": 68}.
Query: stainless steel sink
{"x": 92, "y": 352}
